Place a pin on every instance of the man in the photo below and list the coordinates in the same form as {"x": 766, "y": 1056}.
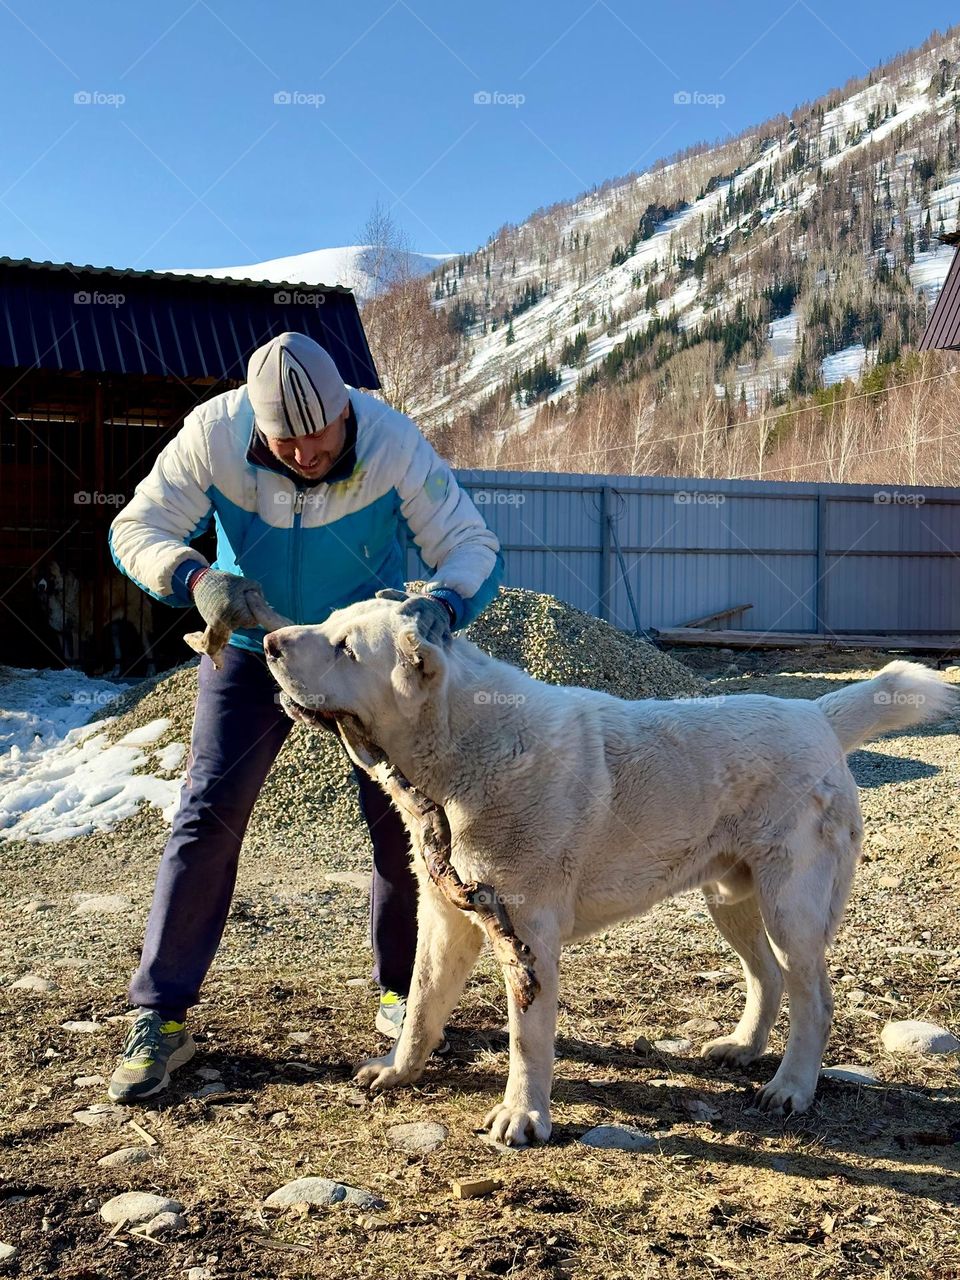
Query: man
{"x": 310, "y": 485}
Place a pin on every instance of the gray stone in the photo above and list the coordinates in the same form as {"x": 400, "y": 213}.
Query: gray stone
{"x": 165, "y": 1224}
{"x": 618, "y": 1137}
{"x": 299, "y": 1037}
{"x": 199, "y": 1273}
{"x": 849, "y": 1073}
{"x": 8, "y": 1253}
{"x": 208, "y": 1073}
{"x": 208, "y": 1090}
{"x": 416, "y": 1138}
{"x": 918, "y": 1037}
{"x": 700, "y": 1027}
{"x": 37, "y": 904}
{"x": 355, "y": 879}
{"x": 82, "y": 1028}
{"x": 134, "y": 1207}
{"x": 673, "y": 1046}
{"x": 125, "y": 1156}
{"x": 35, "y": 983}
{"x": 88, "y": 1082}
{"x": 321, "y": 1191}
{"x": 101, "y": 904}
{"x": 101, "y": 1115}
{"x": 700, "y": 1110}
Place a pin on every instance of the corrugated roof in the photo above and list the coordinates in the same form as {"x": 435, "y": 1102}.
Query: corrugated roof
{"x": 106, "y": 320}
{"x": 943, "y": 327}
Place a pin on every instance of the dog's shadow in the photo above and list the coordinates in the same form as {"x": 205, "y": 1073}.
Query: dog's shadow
{"x": 873, "y": 769}
{"x": 911, "y": 1125}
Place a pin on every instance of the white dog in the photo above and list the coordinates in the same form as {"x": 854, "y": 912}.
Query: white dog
{"x": 581, "y": 809}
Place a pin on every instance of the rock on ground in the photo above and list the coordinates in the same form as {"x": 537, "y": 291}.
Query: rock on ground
{"x": 167, "y": 1223}
{"x": 619, "y": 1137}
{"x": 7, "y": 1253}
{"x": 918, "y": 1037}
{"x": 416, "y": 1138}
{"x": 101, "y": 904}
{"x": 848, "y": 1073}
{"x": 321, "y": 1191}
{"x": 101, "y": 1115}
{"x": 135, "y": 1207}
{"x": 125, "y": 1156}
{"x": 34, "y": 982}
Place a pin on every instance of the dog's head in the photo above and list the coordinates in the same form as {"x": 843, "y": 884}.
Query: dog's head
{"x": 366, "y": 660}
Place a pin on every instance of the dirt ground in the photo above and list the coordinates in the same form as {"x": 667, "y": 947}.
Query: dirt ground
{"x": 865, "y": 1184}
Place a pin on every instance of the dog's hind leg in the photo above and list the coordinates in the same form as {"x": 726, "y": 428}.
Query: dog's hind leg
{"x": 524, "y": 1114}
{"x": 448, "y": 943}
{"x": 741, "y": 924}
{"x": 801, "y": 901}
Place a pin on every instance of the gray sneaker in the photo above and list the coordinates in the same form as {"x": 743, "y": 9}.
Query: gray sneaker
{"x": 390, "y": 1016}
{"x": 152, "y": 1050}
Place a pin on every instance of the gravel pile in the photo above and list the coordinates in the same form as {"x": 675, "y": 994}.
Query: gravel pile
{"x": 310, "y": 781}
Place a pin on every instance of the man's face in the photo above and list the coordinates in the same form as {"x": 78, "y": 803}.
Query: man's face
{"x": 313, "y": 456}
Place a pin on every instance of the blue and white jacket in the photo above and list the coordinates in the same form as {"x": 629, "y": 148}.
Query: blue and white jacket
{"x": 313, "y": 546}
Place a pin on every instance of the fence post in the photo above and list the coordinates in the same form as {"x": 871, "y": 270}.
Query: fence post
{"x": 821, "y": 585}
{"x": 603, "y": 599}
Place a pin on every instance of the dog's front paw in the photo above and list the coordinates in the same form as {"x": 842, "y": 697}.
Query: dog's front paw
{"x": 517, "y": 1126}
{"x": 380, "y": 1074}
{"x": 783, "y": 1098}
{"x": 730, "y": 1051}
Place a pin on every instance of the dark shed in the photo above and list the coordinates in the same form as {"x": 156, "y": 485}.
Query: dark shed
{"x": 98, "y": 368}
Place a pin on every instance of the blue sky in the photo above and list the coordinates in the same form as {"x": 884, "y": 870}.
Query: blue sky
{"x": 182, "y": 157}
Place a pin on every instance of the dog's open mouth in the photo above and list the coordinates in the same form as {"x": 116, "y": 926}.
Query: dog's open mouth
{"x": 321, "y": 717}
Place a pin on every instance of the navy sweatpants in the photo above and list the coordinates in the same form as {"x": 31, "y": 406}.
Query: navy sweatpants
{"x": 238, "y": 730}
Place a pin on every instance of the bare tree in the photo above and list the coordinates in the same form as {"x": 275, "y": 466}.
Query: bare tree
{"x": 408, "y": 337}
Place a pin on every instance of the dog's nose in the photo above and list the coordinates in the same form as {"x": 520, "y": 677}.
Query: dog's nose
{"x": 272, "y": 646}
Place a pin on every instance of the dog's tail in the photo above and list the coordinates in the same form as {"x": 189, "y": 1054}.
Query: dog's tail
{"x": 903, "y": 694}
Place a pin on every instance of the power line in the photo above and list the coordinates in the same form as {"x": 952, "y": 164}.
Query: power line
{"x": 749, "y": 422}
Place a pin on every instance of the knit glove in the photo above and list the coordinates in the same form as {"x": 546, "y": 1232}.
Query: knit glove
{"x": 432, "y": 617}
{"x": 226, "y": 600}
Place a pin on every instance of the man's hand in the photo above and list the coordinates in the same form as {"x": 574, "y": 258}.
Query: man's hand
{"x": 432, "y": 616}
{"x": 227, "y": 602}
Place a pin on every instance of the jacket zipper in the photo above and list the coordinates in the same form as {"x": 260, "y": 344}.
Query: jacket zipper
{"x": 296, "y": 557}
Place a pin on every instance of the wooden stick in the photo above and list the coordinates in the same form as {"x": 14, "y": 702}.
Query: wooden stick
{"x": 431, "y": 838}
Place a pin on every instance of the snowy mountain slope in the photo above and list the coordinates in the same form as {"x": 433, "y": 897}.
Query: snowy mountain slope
{"x": 343, "y": 266}
{"x": 800, "y": 254}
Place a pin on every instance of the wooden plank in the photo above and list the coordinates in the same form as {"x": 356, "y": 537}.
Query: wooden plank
{"x": 807, "y": 640}
{"x": 715, "y": 617}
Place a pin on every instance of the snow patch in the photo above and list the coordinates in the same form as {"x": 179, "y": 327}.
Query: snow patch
{"x": 61, "y": 776}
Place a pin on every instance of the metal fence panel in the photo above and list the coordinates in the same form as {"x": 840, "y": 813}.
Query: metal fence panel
{"x": 807, "y": 557}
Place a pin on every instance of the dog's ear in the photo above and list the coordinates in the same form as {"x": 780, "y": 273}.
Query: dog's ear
{"x": 418, "y": 662}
